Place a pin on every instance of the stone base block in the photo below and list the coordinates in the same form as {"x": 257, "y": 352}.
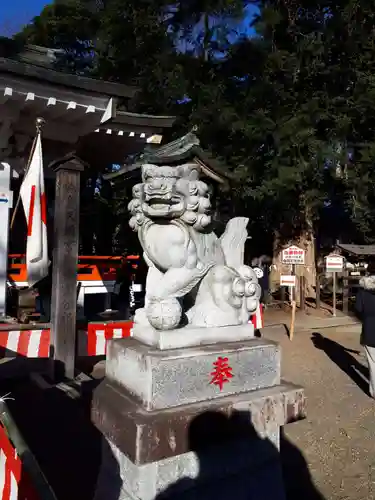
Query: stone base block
{"x": 241, "y": 471}
{"x": 145, "y": 436}
{"x": 174, "y": 377}
{"x": 226, "y": 448}
{"x": 191, "y": 336}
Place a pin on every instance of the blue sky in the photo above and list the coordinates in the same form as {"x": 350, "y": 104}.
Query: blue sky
{"x": 16, "y": 13}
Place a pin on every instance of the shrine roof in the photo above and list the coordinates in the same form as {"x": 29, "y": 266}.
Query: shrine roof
{"x": 74, "y": 107}
{"x": 357, "y": 250}
{"x": 48, "y": 75}
{"x": 182, "y": 150}
{"x": 91, "y": 85}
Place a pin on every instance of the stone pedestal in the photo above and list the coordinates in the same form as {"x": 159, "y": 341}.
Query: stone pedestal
{"x": 191, "y": 336}
{"x": 165, "y": 379}
{"x": 172, "y": 429}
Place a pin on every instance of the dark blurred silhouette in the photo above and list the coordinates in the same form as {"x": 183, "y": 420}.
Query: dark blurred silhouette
{"x": 58, "y": 429}
{"x": 43, "y": 299}
{"x": 342, "y": 357}
{"x": 236, "y": 463}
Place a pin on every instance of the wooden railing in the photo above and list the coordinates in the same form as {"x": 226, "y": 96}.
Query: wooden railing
{"x": 90, "y": 268}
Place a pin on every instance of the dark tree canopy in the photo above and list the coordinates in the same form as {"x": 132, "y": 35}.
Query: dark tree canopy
{"x": 288, "y": 104}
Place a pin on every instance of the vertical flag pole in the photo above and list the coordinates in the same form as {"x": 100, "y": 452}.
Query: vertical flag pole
{"x": 6, "y": 198}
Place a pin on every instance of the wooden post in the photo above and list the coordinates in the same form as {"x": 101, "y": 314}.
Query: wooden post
{"x": 64, "y": 270}
{"x": 293, "y": 291}
{"x": 345, "y": 293}
{"x": 293, "y": 321}
{"x": 334, "y": 278}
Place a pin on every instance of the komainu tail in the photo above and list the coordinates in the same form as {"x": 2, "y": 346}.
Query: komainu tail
{"x": 233, "y": 241}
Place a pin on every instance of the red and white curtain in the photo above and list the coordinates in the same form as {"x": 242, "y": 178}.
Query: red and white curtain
{"x": 257, "y": 318}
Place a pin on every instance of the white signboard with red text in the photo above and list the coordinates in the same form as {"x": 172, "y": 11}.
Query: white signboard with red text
{"x": 293, "y": 255}
{"x": 334, "y": 263}
{"x": 288, "y": 280}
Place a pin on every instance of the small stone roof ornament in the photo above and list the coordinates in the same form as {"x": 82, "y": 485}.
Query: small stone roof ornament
{"x": 185, "y": 149}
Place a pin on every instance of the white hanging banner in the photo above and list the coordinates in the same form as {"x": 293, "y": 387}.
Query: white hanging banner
{"x": 34, "y": 203}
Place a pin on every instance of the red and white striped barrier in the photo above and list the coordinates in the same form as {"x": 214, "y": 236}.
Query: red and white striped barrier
{"x": 15, "y": 484}
{"x": 36, "y": 343}
{"x": 257, "y": 318}
{"x": 27, "y": 343}
{"x": 91, "y": 341}
{"x": 98, "y": 334}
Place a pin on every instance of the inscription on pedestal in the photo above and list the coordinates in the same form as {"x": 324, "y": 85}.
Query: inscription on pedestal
{"x": 164, "y": 379}
{"x": 222, "y": 372}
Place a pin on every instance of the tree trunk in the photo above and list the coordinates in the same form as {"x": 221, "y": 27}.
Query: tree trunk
{"x": 306, "y": 241}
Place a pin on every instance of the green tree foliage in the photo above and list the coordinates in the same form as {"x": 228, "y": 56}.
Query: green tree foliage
{"x": 350, "y": 58}
{"x": 139, "y": 42}
{"x": 205, "y": 28}
{"x": 66, "y": 25}
{"x": 283, "y": 107}
{"x": 298, "y": 98}
{"x": 142, "y": 42}
{"x": 280, "y": 111}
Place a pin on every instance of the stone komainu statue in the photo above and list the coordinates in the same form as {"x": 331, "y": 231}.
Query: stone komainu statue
{"x": 194, "y": 277}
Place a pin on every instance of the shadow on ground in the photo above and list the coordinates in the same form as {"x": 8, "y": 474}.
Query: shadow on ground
{"x": 235, "y": 462}
{"x": 342, "y": 357}
{"x": 297, "y": 477}
{"x": 68, "y": 447}
{"x": 58, "y": 430}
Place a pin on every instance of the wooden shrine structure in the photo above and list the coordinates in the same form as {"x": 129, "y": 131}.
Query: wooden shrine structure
{"x": 86, "y": 123}
{"x": 83, "y": 115}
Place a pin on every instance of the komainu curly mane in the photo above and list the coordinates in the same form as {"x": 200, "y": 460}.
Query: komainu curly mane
{"x": 181, "y": 182}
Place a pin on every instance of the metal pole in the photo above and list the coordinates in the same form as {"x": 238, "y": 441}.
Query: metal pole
{"x": 6, "y": 199}
{"x": 293, "y": 295}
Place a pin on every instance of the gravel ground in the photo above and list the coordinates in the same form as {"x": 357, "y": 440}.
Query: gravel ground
{"x": 337, "y": 440}
{"x": 328, "y": 456}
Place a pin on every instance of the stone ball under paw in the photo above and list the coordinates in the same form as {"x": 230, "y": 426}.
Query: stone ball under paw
{"x": 164, "y": 314}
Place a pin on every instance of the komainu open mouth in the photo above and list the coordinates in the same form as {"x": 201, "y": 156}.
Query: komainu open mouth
{"x": 159, "y": 201}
